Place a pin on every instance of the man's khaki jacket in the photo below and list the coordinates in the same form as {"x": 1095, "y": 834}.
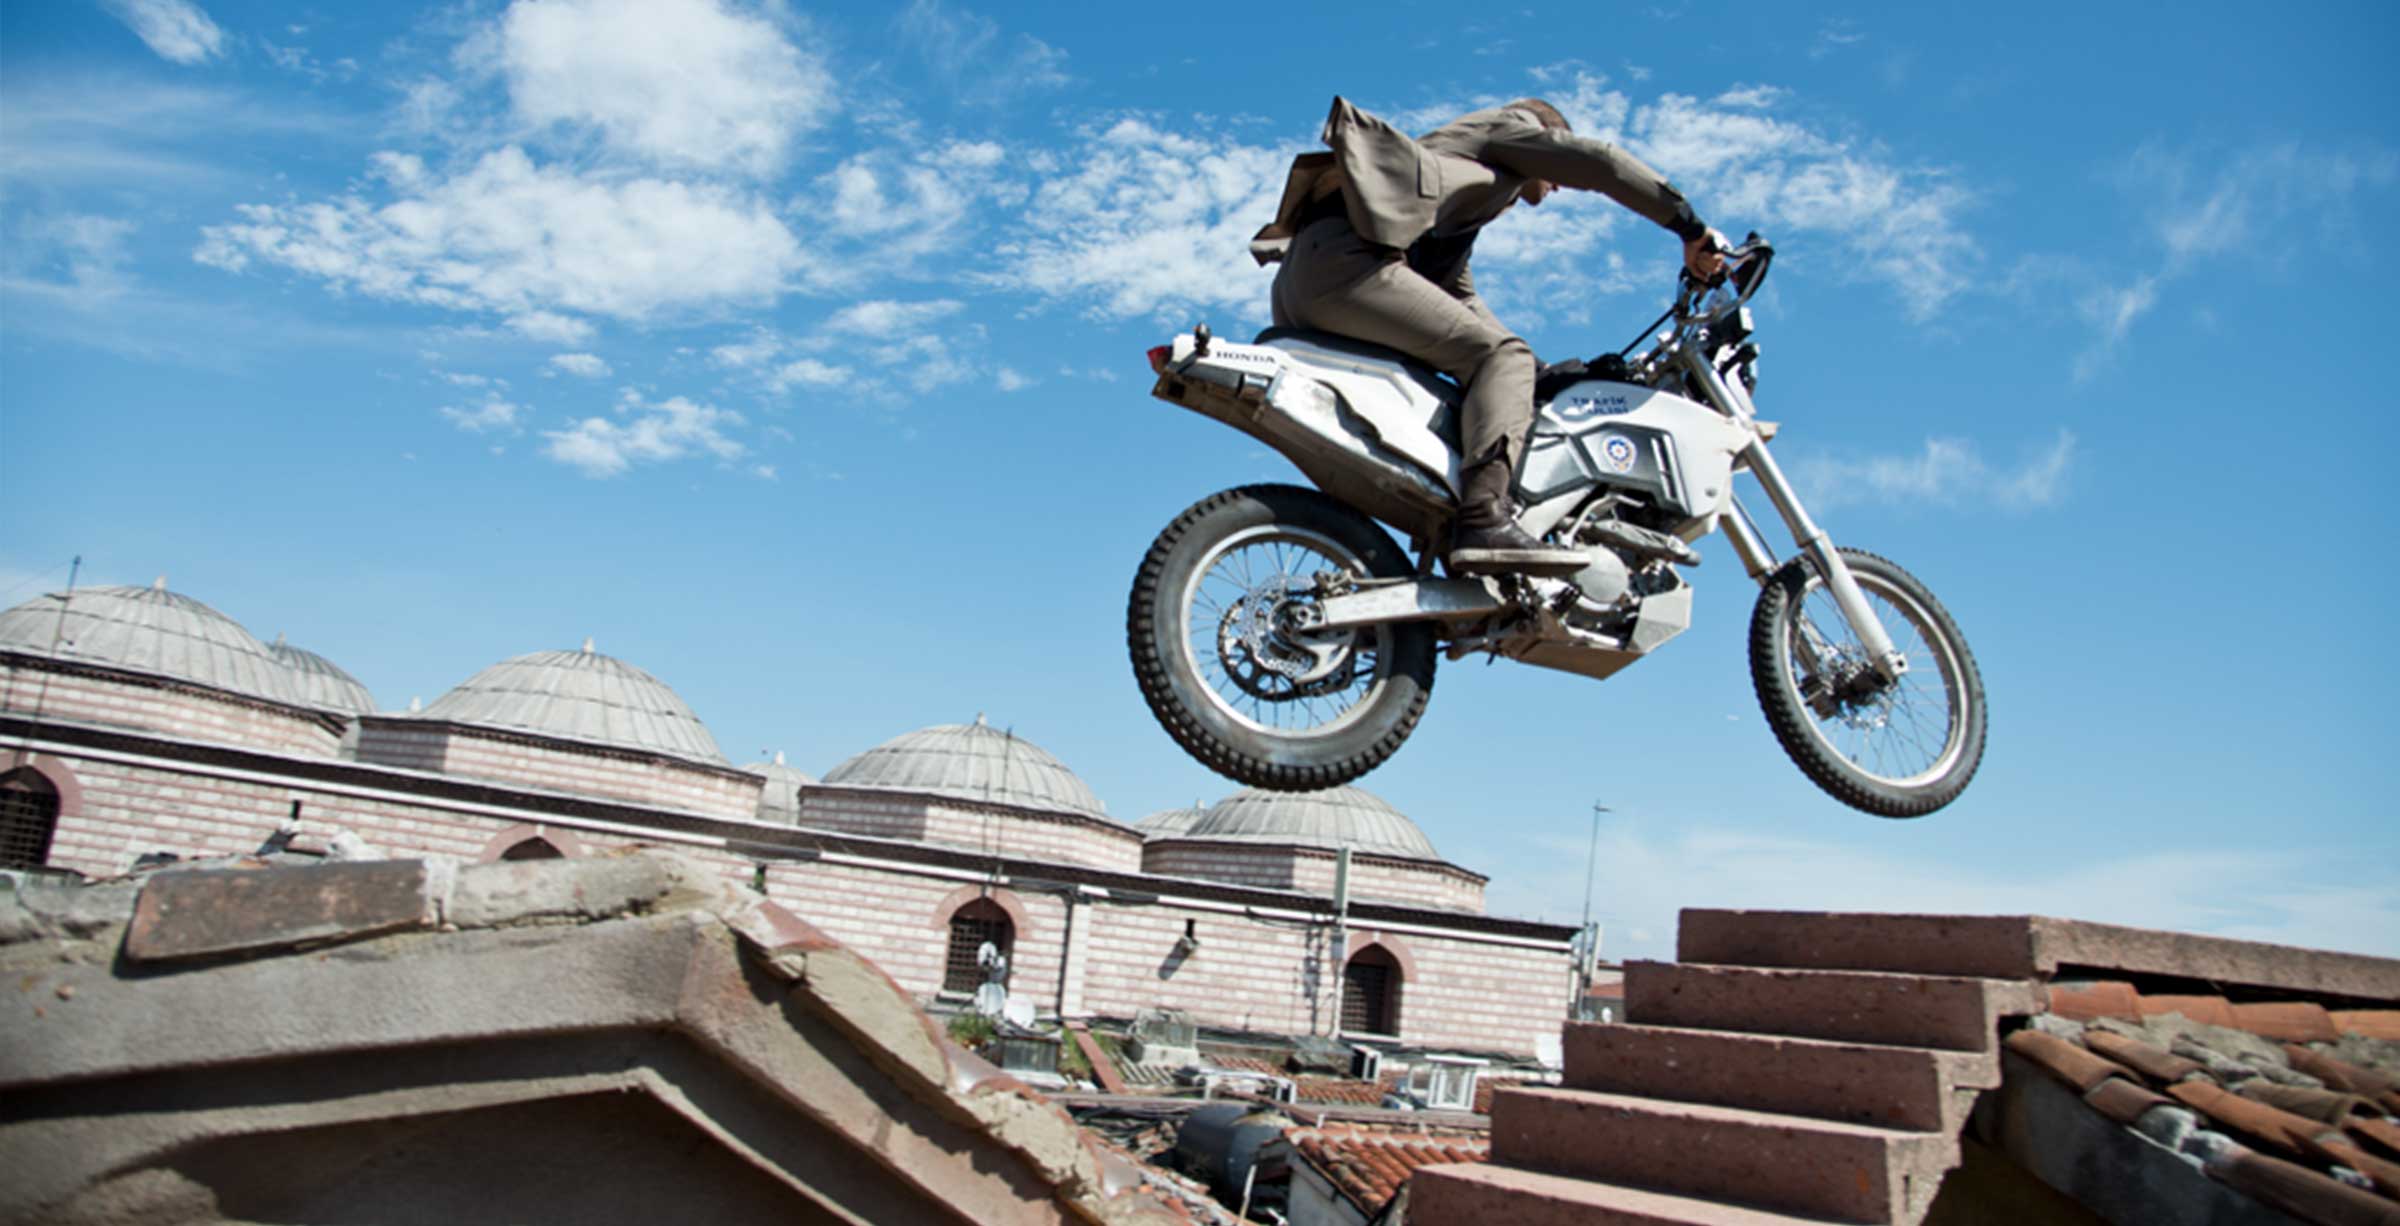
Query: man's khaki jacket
{"x": 1457, "y": 177}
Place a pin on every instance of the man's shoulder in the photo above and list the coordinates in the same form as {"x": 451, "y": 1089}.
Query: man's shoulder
{"x": 1469, "y": 132}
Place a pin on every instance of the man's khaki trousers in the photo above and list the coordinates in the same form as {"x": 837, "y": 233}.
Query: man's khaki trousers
{"x": 1334, "y": 281}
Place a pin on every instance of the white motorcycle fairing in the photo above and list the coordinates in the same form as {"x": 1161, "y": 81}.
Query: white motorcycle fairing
{"x": 1381, "y": 433}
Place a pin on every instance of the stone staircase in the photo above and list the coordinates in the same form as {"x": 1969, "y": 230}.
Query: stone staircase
{"x": 1788, "y": 1069}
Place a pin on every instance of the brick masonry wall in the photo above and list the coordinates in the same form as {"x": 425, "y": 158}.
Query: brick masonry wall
{"x": 641, "y": 778}
{"x": 1011, "y": 832}
{"x": 1477, "y": 994}
{"x": 1248, "y": 973}
{"x": 191, "y": 713}
{"x": 1311, "y": 871}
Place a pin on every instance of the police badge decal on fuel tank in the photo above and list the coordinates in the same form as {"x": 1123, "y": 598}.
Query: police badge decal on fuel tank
{"x": 1616, "y": 451}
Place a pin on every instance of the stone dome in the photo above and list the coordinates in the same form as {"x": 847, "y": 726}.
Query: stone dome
{"x": 580, "y": 696}
{"x": 779, "y": 801}
{"x": 149, "y": 630}
{"x": 972, "y": 762}
{"x": 321, "y": 682}
{"x": 1169, "y": 821}
{"x": 1333, "y": 818}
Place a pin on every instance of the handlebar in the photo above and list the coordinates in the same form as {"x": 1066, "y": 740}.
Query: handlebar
{"x": 1745, "y": 267}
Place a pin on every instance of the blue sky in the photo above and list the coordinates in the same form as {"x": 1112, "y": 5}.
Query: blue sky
{"x": 793, "y": 352}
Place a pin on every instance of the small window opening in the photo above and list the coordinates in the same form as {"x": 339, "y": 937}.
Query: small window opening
{"x": 971, "y": 926}
{"x": 28, "y": 818}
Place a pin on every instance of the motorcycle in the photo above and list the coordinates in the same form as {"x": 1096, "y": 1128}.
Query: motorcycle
{"x": 1284, "y": 639}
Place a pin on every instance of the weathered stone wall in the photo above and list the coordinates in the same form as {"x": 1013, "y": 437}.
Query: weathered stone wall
{"x": 173, "y": 708}
{"x": 475, "y": 753}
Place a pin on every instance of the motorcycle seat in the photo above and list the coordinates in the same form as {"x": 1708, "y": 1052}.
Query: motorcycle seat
{"x": 1433, "y": 380}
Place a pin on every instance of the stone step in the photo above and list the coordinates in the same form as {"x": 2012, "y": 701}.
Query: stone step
{"x": 1912, "y": 1088}
{"x": 1954, "y": 1014}
{"x": 1782, "y": 1163}
{"x": 1965, "y": 946}
{"x": 1483, "y": 1193}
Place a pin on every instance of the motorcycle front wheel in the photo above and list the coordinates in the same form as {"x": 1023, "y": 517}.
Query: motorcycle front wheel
{"x": 1891, "y": 748}
{"x": 1219, "y": 628}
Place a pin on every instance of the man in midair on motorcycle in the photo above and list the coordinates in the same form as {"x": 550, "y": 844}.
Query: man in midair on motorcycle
{"x": 1374, "y": 238}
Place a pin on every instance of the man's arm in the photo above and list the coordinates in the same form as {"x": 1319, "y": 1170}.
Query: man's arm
{"x": 1569, "y": 160}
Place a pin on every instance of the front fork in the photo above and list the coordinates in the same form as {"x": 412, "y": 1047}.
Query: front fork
{"x": 1759, "y": 559}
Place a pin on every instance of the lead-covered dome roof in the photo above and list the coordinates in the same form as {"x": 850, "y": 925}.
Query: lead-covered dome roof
{"x": 321, "y": 682}
{"x": 972, "y": 762}
{"x": 1333, "y": 818}
{"x": 1169, "y": 821}
{"x": 580, "y": 696}
{"x": 779, "y": 800}
{"x": 149, "y": 630}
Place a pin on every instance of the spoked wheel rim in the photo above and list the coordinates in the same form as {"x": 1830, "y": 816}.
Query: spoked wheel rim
{"x": 1244, "y": 633}
{"x": 1904, "y": 733}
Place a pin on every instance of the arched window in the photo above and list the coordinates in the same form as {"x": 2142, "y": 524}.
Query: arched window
{"x": 1371, "y": 992}
{"x": 970, "y": 926}
{"x": 28, "y": 817}
{"x": 535, "y": 848}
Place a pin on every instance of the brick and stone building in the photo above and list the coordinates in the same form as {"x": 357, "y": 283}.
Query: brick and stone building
{"x": 137, "y": 722}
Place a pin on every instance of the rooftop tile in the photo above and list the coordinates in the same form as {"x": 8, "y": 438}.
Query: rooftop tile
{"x": 1368, "y": 1165}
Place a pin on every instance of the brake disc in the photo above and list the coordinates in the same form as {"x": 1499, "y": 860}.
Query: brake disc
{"x": 1260, "y": 636}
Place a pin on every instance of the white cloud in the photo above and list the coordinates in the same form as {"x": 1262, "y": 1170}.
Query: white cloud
{"x": 551, "y": 327}
{"x": 78, "y": 260}
{"x": 493, "y": 414}
{"x": 645, "y": 433}
{"x": 896, "y": 207}
{"x": 1948, "y": 471}
{"x": 2112, "y": 310}
{"x": 1900, "y": 224}
{"x": 1008, "y": 380}
{"x": 581, "y": 365}
{"x": 1645, "y": 877}
{"x": 807, "y": 372}
{"x": 1753, "y": 97}
{"x": 2264, "y": 200}
{"x": 1144, "y": 222}
{"x": 511, "y": 236}
{"x": 969, "y": 53}
{"x": 676, "y": 83}
{"x": 176, "y": 29}
{"x": 884, "y": 318}
{"x": 762, "y": 347}
{"x": 2268, "y": 204}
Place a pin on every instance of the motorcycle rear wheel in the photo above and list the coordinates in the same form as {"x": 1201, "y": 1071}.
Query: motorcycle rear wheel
{"x": 1216, "y": 627}
{"x": 1896, "y": 749}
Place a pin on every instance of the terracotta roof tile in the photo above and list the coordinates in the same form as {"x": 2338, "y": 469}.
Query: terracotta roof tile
{"x": 1339, "y": 1090}
{"x": 2301, "y": 1192}
{"x": 1246, "y": 1064}
{"x": 2340, "y": 1074}
{"x": 2065, "y": 1061}
{"x": 1368, "y": 1166}
{"x": 2383, "y": 1172}
{"x": 2122, "y": 1100}
{"x": 2292, "y": 1021}
{"x": 2324, "y": 1106}
{"x": 2085, "y": 1001}
{"x": 2278, "y": 1130}
{"x": 2369, "y": 1023}
{"x": 2161, "y": 1066}
{"x": 2380, "y": 1135}
{"x": 2210, "y": 1010}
